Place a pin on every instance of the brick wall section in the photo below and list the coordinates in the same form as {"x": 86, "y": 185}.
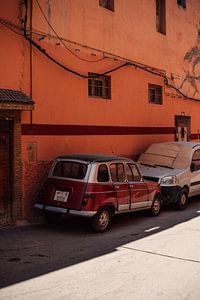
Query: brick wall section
{"x": 34, "y": 175}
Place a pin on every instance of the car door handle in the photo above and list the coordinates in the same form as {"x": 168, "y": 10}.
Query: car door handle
{"x": 117, "y": 186}
{"x": 131, "y": 186}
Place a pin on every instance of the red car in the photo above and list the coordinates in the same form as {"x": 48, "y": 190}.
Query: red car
{"x": 97, "y": 187}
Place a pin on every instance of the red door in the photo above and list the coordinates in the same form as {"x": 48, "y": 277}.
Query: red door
{"x": 121, "y": 186}
{"x": 138, "y": 188}
{"x": 5, "y": 173}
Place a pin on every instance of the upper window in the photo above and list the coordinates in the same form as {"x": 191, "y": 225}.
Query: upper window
{"x": 182, "y": 3}
{"x": 109, "y": 4}
{"x": 155, "y": 94}
{"x": 99, "y": 87}
{"x": 161, "y": 16}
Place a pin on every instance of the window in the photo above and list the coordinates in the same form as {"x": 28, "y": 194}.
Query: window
{"x": 103, "y": 175}
{"x": 155, "y": 94}
{"x": 182, "y": 3}
{"x": 132, "y": 173}
{"x": 109, "y": 4}
{"x": 161, "y": 16}
{"x": 99, "y": 87}
{"x": 70, "y": 170}
{"x": 196, "y": 160}
{"x": 117, "y": 172}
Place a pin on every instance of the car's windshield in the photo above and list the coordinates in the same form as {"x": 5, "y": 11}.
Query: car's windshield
{"x": 70, "y": 169}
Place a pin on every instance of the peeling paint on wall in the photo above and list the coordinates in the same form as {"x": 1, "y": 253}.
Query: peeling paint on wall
{"x": 190, "y": 82}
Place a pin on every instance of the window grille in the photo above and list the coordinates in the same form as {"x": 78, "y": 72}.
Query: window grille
{"x": 155, "y": 94}
{"x": 99, "y": 87}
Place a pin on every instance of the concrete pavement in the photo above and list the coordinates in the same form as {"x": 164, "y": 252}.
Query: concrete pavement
{"x": 139, "y": 258}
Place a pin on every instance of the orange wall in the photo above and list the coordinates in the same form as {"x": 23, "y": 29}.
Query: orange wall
{"x": 62, "y": 98}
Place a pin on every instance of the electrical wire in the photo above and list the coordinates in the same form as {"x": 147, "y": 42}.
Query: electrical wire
{"x": 60, "y": 39}
{"x": 43, "y": 51}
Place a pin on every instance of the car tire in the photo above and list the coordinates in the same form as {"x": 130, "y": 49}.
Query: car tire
{"x": 156, "y": 206}
{"x": 102, "y": 220}
{"x": 182, "y": 199}
{"x": 51, "y": 218}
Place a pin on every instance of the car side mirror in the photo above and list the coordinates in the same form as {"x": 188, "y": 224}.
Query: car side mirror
{"x": 192, "y": 167}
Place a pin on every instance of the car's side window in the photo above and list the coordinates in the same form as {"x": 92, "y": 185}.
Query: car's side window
{"x": 196, "y": 160}
{"x": 103, "y": 175}
{"x": 129, "y": 173}
{"x": 135, "y": 172}
{"x": 117, "y": 172}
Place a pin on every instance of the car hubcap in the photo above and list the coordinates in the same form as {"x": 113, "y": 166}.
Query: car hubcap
{"x": 104, "y": 219}
{"x": 156, "y": 206}
{"x": 183, "y": 199}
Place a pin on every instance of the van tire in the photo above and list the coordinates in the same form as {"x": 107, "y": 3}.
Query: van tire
{"x": 156, "y": 206}
{"x": 102, "y": 220}
{"x": 51, "y": 218}
{"x": 182, "y": 199}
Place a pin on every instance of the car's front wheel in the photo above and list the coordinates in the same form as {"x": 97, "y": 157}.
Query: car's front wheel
{"x": 101, "y": 221}
{"x": 156, "y": 206}
{"x": 182, "y": 199}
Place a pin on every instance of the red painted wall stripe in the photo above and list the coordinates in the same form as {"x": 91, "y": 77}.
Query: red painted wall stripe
{"x": 47, "y": 129}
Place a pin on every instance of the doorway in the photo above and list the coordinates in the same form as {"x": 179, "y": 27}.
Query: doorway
{"x": 6, "y": 129}
{"x": 182, "y": 128}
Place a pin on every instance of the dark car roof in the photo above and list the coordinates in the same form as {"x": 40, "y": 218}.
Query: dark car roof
{"x": 92, "y": 157}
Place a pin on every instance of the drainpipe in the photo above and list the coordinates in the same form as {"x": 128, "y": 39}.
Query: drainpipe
{"x": 31, "y": 59}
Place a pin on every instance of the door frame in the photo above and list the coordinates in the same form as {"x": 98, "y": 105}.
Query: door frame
{"x": 182, "y": 121}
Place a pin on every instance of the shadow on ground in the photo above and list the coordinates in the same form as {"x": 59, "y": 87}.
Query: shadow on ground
{"x": 30, "y": 251}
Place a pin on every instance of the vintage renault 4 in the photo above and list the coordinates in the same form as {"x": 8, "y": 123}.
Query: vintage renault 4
{"x": 97, "y": 187}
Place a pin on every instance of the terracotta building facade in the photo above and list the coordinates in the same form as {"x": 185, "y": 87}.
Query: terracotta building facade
{"x": 93, "y": 76}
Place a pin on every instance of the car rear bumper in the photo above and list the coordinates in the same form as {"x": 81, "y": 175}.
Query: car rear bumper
{"x": 61, "y": 210}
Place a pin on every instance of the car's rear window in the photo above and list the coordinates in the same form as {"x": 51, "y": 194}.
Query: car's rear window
{"x": 70, "y": 169}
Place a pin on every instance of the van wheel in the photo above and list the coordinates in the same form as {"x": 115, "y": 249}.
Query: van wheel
{"x": 156, "y": 206}
{"x": 51, "y": 218}
{"x": 182, "y": 199}
{"x": 101, "y": 221}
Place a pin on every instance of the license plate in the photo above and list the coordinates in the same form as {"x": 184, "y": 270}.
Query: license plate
{"x": 61, "y": 196}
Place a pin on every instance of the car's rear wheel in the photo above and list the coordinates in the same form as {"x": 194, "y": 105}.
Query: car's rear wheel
{"x": 183, "y": 199}
{"x": 156, "y": 206}
{"x": 102, "y": 220}
{"x": 51, "y": 218}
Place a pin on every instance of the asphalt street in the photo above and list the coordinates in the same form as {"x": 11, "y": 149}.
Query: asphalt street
{"x": 140, "y": 257}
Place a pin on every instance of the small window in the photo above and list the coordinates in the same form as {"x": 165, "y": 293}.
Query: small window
{"x": 155, "y": 94}
{"x": 99, "y": 87}
{"x": 117, "y": 172}
{"x": 161, "y": 16}
{"x": 196, "y": 160}
{"x": 103, "y": 175}
{"x": 109, "y": 4}
{"x": 70, "y": 170}
{"x": 132, "y": 173}
{"x": 182, "y": 3}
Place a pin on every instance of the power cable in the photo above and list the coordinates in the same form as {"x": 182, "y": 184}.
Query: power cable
{"x": 43, "y": 51}
{"x": 60, "y": 39}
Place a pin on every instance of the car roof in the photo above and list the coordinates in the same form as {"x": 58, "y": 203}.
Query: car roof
{"x": 92, "y": 157}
